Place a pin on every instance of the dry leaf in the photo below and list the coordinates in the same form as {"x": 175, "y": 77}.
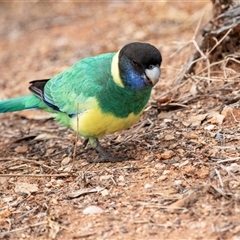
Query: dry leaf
{"x": 226, "y": 110}
{"x": 66, "y": 161}
{"x": 195, "y": 121}
{"x": 216, "y": 118}
{"x": 7, "y": 199}
{"x": 163, "y": 100}
{"x": 210, "y": 127}
{"x": 54, "y": 228}
{"x": 194, "y": 90}
{"x": 165, "y": 115}
{"x": 67, "y": 168}
{"x": 5, "y": 213}
{"x": 50, "y": 151}
{"x": 25, "y": 187}
{"x": 192, "y": 135}
{"x": 84, "y": 191}
{"x": 45, "y": 136}
{"x": 189, "y": 200}
{"x": 105, "y": 177}
{"x": 3, "y": 180}
{"x": 104, "y": 192}
{"x": 234, "y": 167}
{"x": 162, "y": 178}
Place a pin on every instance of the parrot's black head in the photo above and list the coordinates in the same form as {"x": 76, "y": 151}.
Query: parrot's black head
{"x": 139, "y": 65}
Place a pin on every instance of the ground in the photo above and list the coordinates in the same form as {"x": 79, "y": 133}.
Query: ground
{"x": 183, "y": 180}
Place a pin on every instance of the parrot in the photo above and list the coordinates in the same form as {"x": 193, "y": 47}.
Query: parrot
{"x": 98, "y": 95}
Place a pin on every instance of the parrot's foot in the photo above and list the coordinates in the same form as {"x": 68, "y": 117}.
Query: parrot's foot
{"x": 105, "y": 157}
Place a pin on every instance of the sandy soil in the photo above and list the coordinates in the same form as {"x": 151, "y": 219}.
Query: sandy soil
{"x": 183, "y": 182}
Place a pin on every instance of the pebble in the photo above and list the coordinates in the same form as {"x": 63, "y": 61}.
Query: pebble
{"x": 169, "y": 137}
{"x": 92, "y": 210}
{"x": 148, "y": 185}
{"x": 167, "y": 154}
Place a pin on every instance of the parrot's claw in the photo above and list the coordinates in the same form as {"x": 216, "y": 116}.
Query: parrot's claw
{"x": 104, "y": 156}
{"x": 104, "y": 159}
{"x": 85, "y": 142}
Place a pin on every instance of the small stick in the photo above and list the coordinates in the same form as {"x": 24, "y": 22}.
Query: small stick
{"x": 2, "y": 234}
{"x": 219, "y": 177}
{"x": 36, "y": 175}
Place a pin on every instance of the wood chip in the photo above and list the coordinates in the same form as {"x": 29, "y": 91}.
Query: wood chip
{"x": 24, "y": 187}
{"x": 21, "y": 149}
{"x": 167, "y": 154}
{"x": 169, "y": 137}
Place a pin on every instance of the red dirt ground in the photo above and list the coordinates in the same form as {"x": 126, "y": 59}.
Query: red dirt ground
{"x": 183, "y": 182}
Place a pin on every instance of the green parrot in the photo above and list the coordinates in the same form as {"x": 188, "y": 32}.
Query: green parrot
{"x": 98, "y": 95}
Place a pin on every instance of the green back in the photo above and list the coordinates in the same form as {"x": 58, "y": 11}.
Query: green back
{"x": 74, "y": 90}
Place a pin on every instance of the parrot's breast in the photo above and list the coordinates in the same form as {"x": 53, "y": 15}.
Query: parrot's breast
{"x": 95, "y": 123}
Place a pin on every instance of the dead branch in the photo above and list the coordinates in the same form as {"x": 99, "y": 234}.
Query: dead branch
{"x": 220, "y": 37}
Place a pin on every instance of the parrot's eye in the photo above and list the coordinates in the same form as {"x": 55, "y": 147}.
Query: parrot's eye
{"x": 134, "y": 62}
{"x": 151, "y": 67}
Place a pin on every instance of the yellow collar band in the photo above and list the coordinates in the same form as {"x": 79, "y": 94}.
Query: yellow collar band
{"x": 115, "y": 70}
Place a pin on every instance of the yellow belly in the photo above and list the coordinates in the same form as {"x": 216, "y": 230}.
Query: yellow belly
{"x": 94, "y": 123}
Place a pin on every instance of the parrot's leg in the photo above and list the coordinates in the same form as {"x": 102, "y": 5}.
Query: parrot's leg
{"x": 85, "y": 142}
{"x": 105, "y": 157}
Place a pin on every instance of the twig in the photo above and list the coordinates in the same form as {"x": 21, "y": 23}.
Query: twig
{"x": 84, "y": 235}
{"x": 219, "y": 177}
{"x": 3, "y": 234}
{"x": 27, "y": 160}
{"x": 218, "y": 42}
{"x": 229, "y": 172}
{"x": 193, "y": 38}
{"x": 28, "y": 212}
{"x": 14, "y": 204}
{"x": 228, "y": 147}
{"x": 234, "y": 116}
{"x": 36, "y": 162}
{"x": 36, "y": 175}
{"x": 204, "y": 57}
{"x": 227, "y": 160}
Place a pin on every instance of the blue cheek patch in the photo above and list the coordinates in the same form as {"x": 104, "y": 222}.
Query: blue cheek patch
{"x": 132, "y": 78}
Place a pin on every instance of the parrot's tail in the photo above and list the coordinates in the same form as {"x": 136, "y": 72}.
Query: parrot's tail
{"x": 20, "y": 103}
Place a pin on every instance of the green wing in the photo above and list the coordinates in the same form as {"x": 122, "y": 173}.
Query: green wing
{"x": 73, "y": 90}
